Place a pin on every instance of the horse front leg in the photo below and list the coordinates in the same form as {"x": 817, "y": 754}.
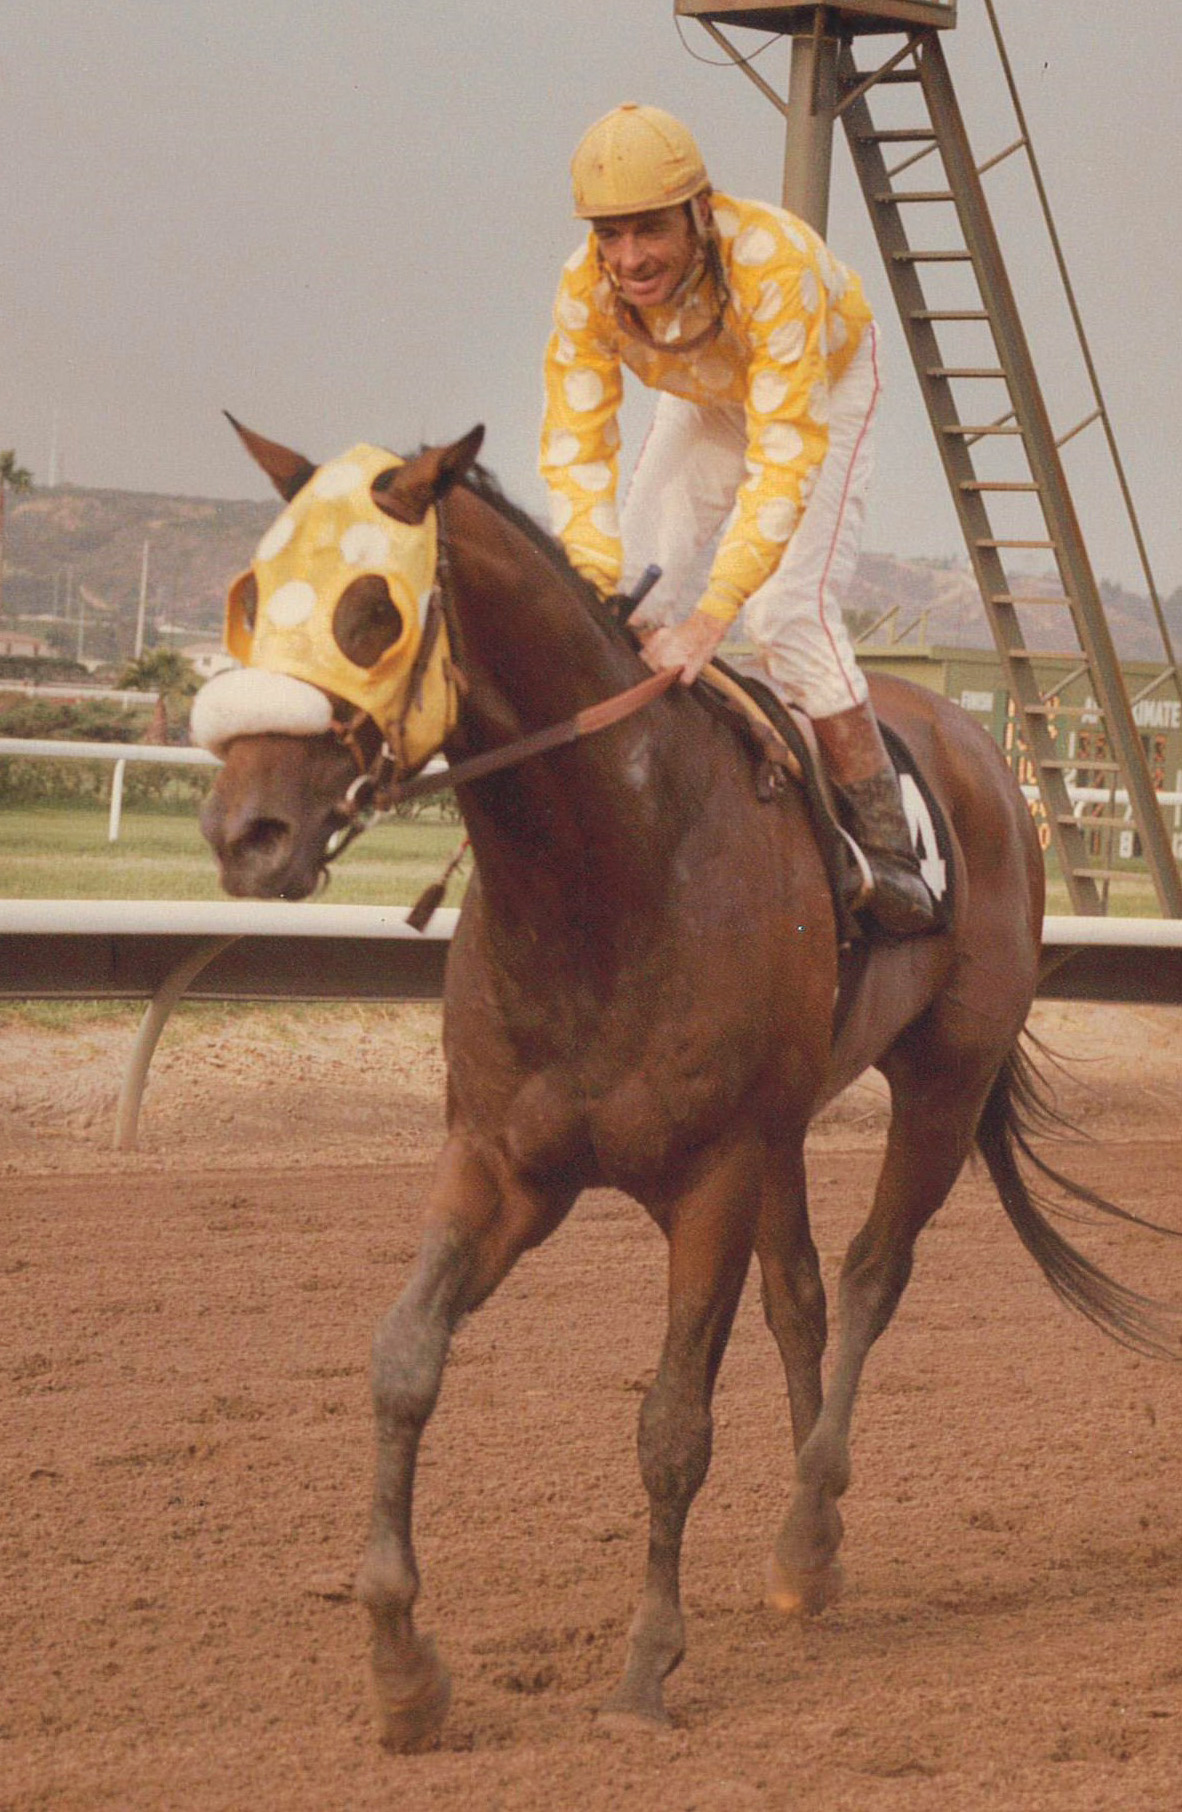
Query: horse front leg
{"x": 710, "y": 1232}
{"x": 475, "y": 1232}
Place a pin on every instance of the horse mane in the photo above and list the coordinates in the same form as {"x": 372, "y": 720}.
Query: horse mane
{"x": 484, "y": 484}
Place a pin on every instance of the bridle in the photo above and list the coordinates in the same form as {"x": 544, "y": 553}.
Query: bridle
{"x": 376, "y": 792}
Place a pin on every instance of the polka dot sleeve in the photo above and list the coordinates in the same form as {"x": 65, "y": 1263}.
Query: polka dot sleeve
{"x": 580, "y": 432}
{"x": 786, "y": 406}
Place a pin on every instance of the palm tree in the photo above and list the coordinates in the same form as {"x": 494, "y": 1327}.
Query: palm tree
{"x": 168, "y": 673}
{"x": 12, "y": 478}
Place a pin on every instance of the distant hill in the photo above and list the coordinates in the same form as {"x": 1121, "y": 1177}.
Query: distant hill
{"x": 90, "y": 543}
{"x": 943, "y": 597}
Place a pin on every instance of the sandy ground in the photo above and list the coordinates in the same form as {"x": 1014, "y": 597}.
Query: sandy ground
{"x": 185, "y": 1464}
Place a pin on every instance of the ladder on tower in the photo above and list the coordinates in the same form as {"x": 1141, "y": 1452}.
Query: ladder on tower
{"x": 1001, "y": 458}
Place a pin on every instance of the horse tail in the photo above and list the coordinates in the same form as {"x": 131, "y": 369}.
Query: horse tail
{"x": 1019, "y": 1106}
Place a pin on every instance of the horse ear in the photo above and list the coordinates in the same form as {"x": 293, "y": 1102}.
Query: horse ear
{"x": 289, "y": 472}
{"x": 407, "y": 492}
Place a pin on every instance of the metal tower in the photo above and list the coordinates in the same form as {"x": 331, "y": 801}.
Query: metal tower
{"x": 1002, "y": 457}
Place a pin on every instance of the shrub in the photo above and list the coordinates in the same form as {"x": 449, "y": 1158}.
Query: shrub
{"x": 30, "y": 780}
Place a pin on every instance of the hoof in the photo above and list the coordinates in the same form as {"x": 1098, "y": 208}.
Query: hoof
{"x": 413, "y": 1720}
{"x": 619, "y": 1719}
{"x": 634, "y": 1707}
{"x": 801, "y": 1594}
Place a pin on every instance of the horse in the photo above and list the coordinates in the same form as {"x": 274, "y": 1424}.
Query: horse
{"x": 646, "y": 990}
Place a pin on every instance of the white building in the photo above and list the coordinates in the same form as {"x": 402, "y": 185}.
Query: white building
{"x": 208, "y": 658}
{"x": 23, "y": 646}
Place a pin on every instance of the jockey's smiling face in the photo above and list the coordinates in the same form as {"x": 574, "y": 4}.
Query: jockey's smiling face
{"x": 650, "y": 254}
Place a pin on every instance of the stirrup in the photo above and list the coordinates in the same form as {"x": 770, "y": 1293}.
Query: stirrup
{"x": 901, "y": 903}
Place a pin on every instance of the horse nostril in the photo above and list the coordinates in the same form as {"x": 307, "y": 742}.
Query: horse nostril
{"x": 263, "y": 837}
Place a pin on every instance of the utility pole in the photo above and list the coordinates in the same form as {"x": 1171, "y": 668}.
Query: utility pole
{"x": 139, "y": 621}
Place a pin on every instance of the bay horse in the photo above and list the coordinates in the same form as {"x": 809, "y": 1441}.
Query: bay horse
{"x": 645, "y": 992}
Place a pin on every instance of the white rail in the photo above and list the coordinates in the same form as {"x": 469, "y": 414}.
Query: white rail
{"x": 79, "y": 694}
{"x": 118, "y": 752}
{"x": 1101, "y": 795}
{"x": 107, "y": 751}
{"x": 272, "y": 919}
{"x": 121, "y": 753}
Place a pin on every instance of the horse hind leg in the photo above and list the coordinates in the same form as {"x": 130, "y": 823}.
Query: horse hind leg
{"x": 935, "y": 1109}
{"x": 710, "y": 1233}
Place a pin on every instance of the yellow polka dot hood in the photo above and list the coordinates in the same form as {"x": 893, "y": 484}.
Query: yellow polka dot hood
{"x": 793, "y": 319}
{"x": 341, "y": 596}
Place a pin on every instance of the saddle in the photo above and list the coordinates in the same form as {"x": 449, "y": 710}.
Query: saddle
{"x": 784, "y": 747}
{"x": 782, "y": 742}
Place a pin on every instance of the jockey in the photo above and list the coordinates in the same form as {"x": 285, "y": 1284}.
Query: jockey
{"x": 766, "y": 356}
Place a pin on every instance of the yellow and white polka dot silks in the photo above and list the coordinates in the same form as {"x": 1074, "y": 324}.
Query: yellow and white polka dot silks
{"x": 331, "y": 534}
{"x": 794, "y": 320}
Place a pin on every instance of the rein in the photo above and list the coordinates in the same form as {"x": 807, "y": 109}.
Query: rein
{"x": 585, "y": 723}
{"x": 374, "y": 795}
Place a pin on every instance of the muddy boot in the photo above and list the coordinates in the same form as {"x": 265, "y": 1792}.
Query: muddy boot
{"x": 867, "y": 790}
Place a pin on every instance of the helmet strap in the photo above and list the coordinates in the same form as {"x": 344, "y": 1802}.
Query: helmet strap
{"x": 630, "y": 318}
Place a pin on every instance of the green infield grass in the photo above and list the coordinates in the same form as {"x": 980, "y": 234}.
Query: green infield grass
{"x": 1130, "y": 897}
{"x": 63, "y": 854}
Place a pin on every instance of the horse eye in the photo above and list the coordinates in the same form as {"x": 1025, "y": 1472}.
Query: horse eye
{"x": 247, "y": 591}
{"x": 366, "y": 621}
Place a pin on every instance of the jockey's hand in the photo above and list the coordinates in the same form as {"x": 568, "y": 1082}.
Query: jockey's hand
{"x": 689, "y": 645}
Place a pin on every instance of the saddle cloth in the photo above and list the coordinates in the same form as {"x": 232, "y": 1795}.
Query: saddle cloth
{"x": 784, "y": 741}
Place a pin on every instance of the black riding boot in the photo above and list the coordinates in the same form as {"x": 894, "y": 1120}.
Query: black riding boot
{"x": 871, "y": 804}
{"x": 874, "y": 816}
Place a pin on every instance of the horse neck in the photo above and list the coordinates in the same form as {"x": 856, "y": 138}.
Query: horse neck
{"x": 531, "y": 650}
{"x": 559, "y": 835}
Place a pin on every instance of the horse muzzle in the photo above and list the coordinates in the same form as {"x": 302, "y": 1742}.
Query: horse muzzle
{"x": 271, "y": 812}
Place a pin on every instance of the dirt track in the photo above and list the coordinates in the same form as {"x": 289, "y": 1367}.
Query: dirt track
{"x": 185, "y": 1466}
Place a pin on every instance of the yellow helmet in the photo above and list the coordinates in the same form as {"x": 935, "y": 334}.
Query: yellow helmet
{"x": 633, "y": 160}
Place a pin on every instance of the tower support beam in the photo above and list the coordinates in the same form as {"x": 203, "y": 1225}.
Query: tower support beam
{"x": 808, "y": 139}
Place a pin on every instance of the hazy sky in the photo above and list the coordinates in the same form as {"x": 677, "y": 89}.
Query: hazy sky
{"x": 344, "y": 221}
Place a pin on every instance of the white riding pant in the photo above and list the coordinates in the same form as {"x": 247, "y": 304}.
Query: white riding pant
{"x": 684, "y": 485}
